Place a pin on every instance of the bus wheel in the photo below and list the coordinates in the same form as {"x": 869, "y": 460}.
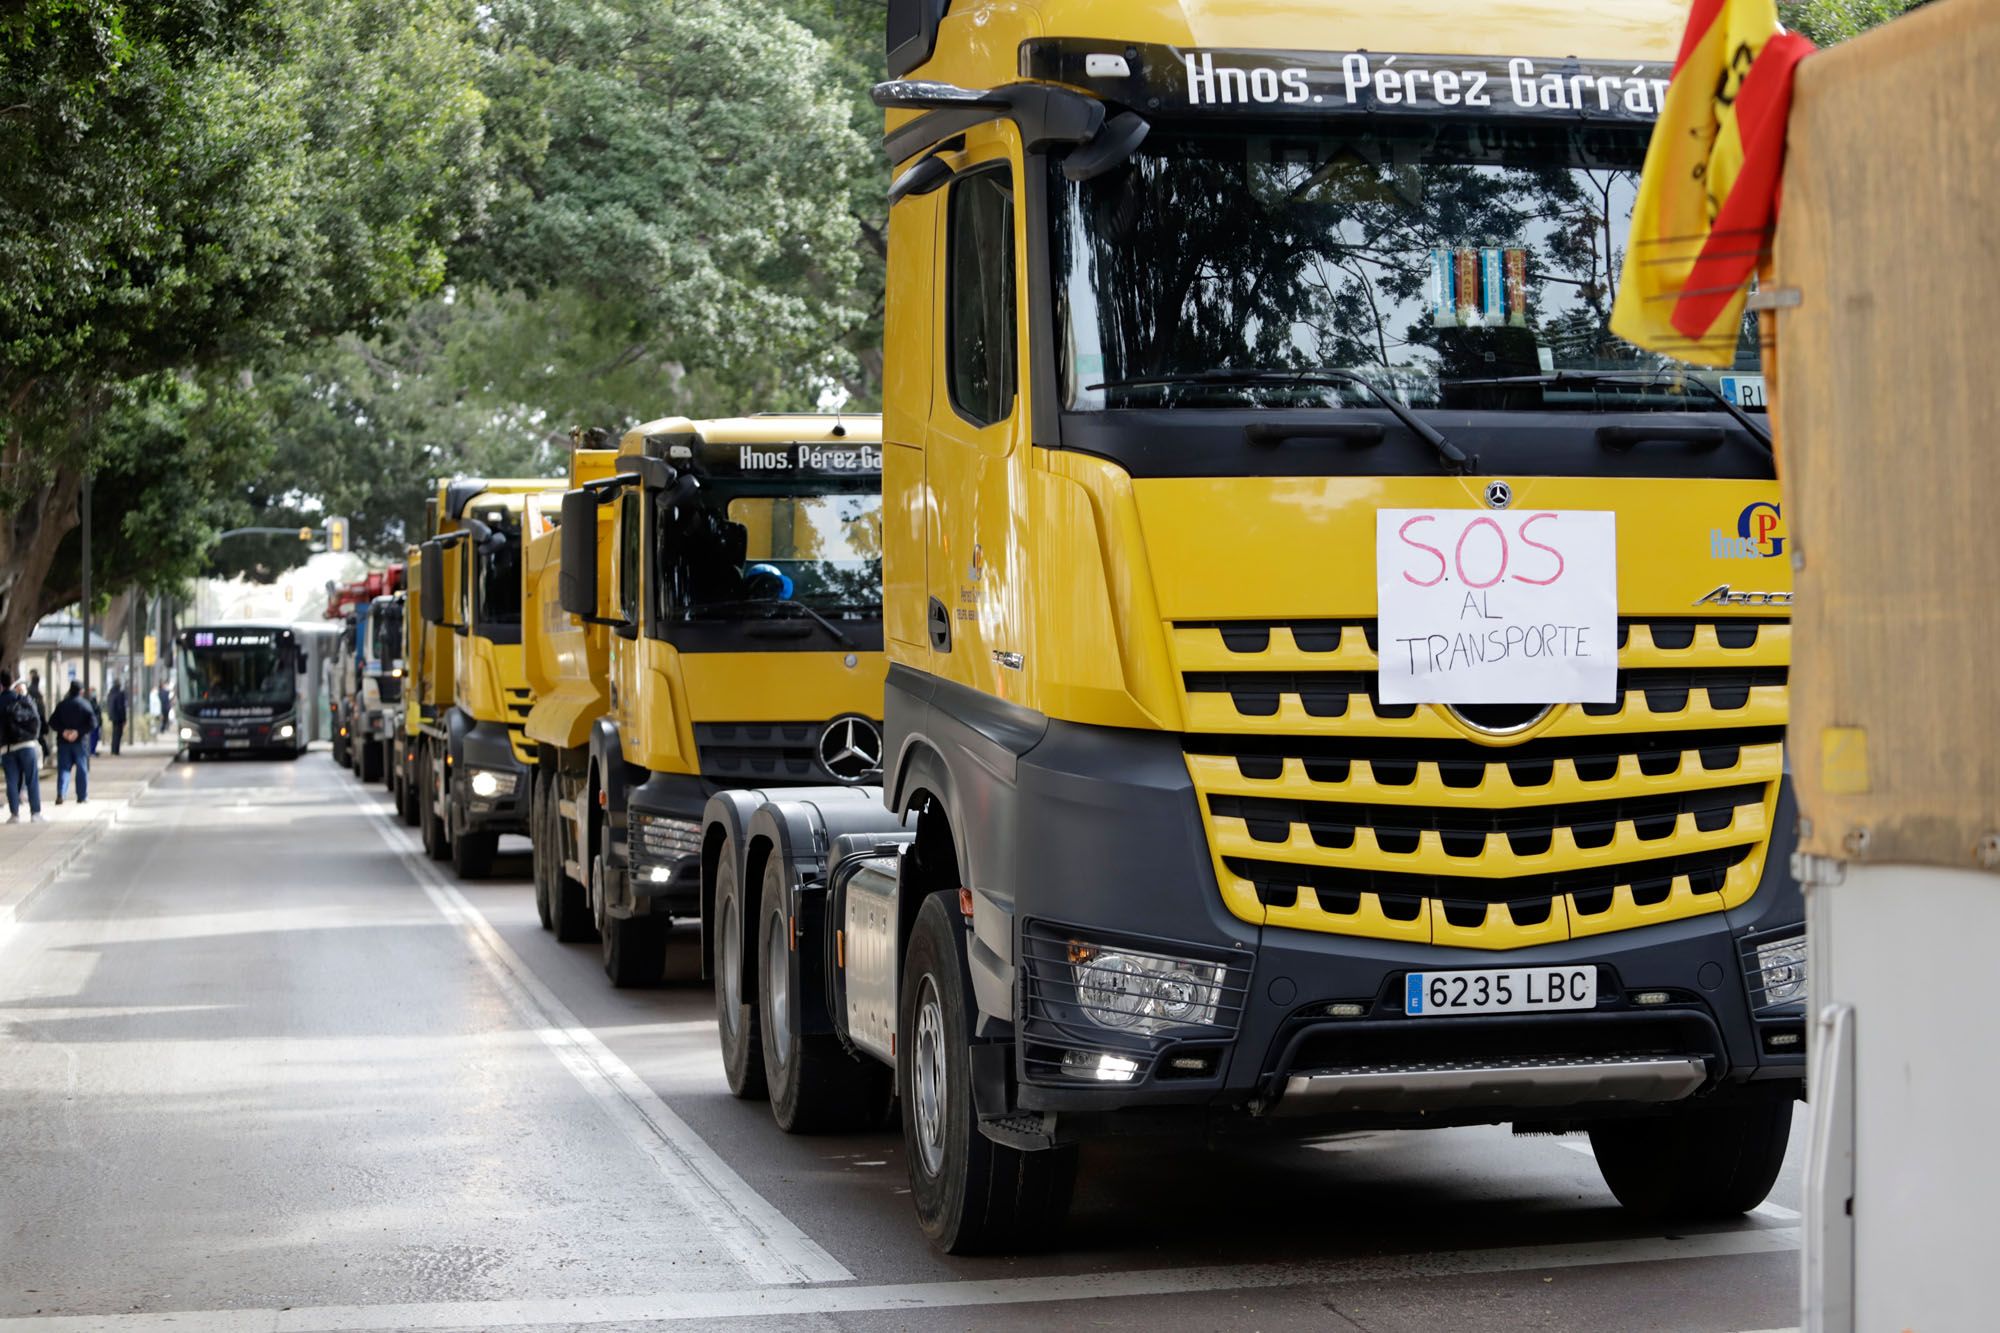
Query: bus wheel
{"x": 973, "y": 1196}
{"x": 1699, "y": 1165}
{"x": 736, "y": 1017}
{"x": 816, "y": 1086}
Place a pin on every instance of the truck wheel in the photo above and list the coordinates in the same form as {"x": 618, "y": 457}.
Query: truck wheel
{"x": 538, "y": 830}
{"x": 371, "y": 761}
{"x": 472, "y": 854}
{"x": 437, "y": 838}
{"x": 406, "y": 793}
{"x": 816, "y": 1087}
{"x": 735, "y": 1005}
{"x": 635, "y": 947}
{"x": 1699, "y": 1165}
{"x": 973, "y": 1195}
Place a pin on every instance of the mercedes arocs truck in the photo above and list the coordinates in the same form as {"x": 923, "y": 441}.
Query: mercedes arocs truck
{"x": 706, "y": 617}
{"x": 1334, "y": 682}
{"x": 473, "y": 758}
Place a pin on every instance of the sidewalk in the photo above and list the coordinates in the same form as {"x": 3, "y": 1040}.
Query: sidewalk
{"x": 31, "y": 855}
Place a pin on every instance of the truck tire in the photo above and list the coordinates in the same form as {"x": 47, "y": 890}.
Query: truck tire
{"x": 736, "y": 1017}
{"x": 816, "y": 1087}
{"x": 437, "y": 838}
{"x": 472, "y": 854}
{"x": 543, "y": 850}
{"x": 371, "y": 761}
{"x": 634, "y": 947}
{"x": 1695, "y": 1165}
{"x": 406, "y": 794}
{"x": 973, "y": 1196}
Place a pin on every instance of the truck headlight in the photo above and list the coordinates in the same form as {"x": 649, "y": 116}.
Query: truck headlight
{"x": 285, "y": 732}
{"x": 1778, "y": 971}
{"x": 188, "y": 733}
{"x": 1142, "y": 993}
{"x": 488, "y": 783}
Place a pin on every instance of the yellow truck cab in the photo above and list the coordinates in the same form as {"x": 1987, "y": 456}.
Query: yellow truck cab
{"x": 1334, "y": 682}
{"x": 426, "y": 676}
{"x": 730, "y": 571}
{"x": 472, "y": 755}
{"x": 567, "y": 659}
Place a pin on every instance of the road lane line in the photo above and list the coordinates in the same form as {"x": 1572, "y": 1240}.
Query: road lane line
{"x": 1777, "y": 1212}
{"x": 771, "y": 1248}
{"x": 798, "y": 1302}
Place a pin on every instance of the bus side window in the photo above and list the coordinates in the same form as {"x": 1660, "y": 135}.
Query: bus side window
{"x": 980, "y": 299}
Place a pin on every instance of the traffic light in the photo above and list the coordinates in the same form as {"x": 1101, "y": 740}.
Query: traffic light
{"x": 336, "y": 534}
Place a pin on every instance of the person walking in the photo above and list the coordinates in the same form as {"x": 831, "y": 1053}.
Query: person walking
{"x": 73, "y": 722}
{"x": 20, "y": 748}
{"x": 166, "y": 709}
{"x": 41, "y": 706}
{"x": 97, "y": 710}
{"x": 115, "y": 703}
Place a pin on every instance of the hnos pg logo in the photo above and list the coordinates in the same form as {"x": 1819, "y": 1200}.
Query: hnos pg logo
{"x": 1757, "y": 535}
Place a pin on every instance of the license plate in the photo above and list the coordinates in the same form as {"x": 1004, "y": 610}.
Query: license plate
{"x": 236, "y": 745}
{"x": 1510, "y": 990}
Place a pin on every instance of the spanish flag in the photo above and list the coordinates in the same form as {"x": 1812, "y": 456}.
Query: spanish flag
{"x": 1709, "y": 193}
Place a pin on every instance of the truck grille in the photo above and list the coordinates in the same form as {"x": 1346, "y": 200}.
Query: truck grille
{"x": 1328, "y": 810}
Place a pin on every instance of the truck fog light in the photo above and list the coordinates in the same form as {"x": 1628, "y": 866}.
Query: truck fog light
{"x": 1650, "y": 997}
{"x": 1779, "y": 970}
{"x": 187, "y": 733}
{"x": 661, "y": 875}
{"x": 285, "y": 732}
{"x": 1100, "y": 1066}
{"x": 1345, "y": 1010}
{"x": 1781, "y": 1039}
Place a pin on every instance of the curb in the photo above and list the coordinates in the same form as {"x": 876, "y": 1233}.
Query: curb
{"x": 113, "y": 813}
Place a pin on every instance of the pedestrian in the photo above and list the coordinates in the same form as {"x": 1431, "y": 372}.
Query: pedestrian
{"x": 115, "y": 702}
{"x": 97, "y": 709}
{"x": 41, "y": 706}
{"x": 20, "y": 748}
{"x": 72, "y": 721}
{"x": 166, "y": 709}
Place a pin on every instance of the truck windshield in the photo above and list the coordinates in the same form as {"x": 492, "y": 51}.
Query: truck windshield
{"x": 240, "y": 672}
{"x": 496, "y": 610}
{"x": 741, "y": 543}
{"x": 1437, "y": 258}
{"x": 386, "y": 624}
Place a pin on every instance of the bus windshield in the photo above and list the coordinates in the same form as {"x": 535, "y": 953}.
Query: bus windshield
{"x": 1456, "y": 262}
{"x": 742, "y": 542}
{"x": 223, "y": 668}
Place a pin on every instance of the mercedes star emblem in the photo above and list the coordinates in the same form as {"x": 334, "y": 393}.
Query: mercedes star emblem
{"x": 851, "y": 749}
{"x": 1499, "y": 495}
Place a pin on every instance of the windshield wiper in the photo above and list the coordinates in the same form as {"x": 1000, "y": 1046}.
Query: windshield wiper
{"x": 1416, "y": 425}
{"x": 800, "y": 607}
{"x": 1756, "y": 431}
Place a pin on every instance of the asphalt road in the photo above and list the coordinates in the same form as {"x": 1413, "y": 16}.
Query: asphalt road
{"x": 262, "y": 1066}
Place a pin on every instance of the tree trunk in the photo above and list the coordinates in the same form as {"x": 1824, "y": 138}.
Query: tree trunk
{"x": 28, "y": 540}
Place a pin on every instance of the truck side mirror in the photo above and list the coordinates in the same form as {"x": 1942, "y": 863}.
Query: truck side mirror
{"x": 576, "y": 585}
{"x": 431, "y": 584}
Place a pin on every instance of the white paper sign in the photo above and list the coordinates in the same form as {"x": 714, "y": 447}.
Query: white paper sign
{"x": 1497, "y": 606}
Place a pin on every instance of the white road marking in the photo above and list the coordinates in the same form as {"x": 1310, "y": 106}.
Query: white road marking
{"x": 771, "y": 1248}
{"x": 782, "y": 1302}
{"x": 1777, "y": 1212}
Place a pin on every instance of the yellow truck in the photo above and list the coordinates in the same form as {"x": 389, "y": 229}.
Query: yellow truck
{"x": 472, "y": 756}
{"x": 1334, "y": 682}
{"x": 706, "y": 617}
{"x": 426, "y": 677}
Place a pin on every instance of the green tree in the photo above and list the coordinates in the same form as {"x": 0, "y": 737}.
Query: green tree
{"x": 1830, "y": 21}
{"x": 192, "y": 184}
